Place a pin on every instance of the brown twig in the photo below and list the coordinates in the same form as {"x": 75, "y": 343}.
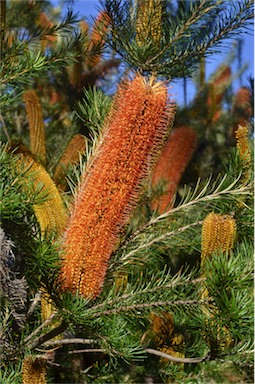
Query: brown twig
{"x": 185, "y": 360}
{"x": 37, "y": 330}
{"x": 50, "y": 335}
{"x": 4, "y": 128}
{"x": 171, "y": 285}
{"x": 32, "y": 307}
{"x": 69, "y": 341}
{"x": 100, "y": 350}
{"x": 151, "y": 305}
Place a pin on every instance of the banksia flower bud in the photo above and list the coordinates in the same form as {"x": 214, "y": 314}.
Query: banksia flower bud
{"x": 133, "y": 134}
{"x": 34, "y": 370}
{"x": 173, "y": 160}
{"x": 36, "y": 125}
{"x": 218, "y": 234}
{"x": 71, "y": 155}
{"x": 244, "y": 151}
{"x": 148, "y": 22}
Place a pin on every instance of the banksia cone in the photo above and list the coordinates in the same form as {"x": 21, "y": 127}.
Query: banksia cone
{"x": 244, "y": 151}
{"x": 36, "y": 125}
{"x": 71, "y": 155}
{"x": 34, "y": 370}
{"x": 173, "y": 160}
{"x": 148, "y": 22}
{"x": 218, "y": 234}
{"x": 135, "y": 131}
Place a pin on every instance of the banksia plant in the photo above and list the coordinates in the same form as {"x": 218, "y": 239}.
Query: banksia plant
{"x": 173, "y": 161}
{"x": 123, "y": 294}
{"x": 34, "y": 370}
{"x": 71, "y": 155}
{"x": 218, "y": 234}
{"x": 133, "y": 134}
{"x": 36, "y": 125}
{"x": 148, "y": 21}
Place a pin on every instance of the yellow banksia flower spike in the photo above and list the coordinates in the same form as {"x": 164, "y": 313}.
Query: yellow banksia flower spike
{"x": 162, "y": 333}
{"x": 162, "y": 327}
{"x": 34, "y": 370}
{"x": 46, "y": 305}
{"x": 36, "y": 125}
{"x": 218, "y": 234}
{"x": 148, "y": 21}
{"x": 51, "y": 214}
{"x": 110, "y": 189}
{"x": 71, "y": 155}
{"x": 171, "y": 164}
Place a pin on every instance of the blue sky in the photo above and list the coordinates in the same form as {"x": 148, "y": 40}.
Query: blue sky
{"x": 87, "y": 8}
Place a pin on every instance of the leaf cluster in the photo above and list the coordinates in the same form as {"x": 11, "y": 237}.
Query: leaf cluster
{"x": 190, "y": 31}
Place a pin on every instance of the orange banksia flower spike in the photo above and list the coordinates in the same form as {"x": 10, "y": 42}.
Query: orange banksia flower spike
{"x": 36, "y": 125}
{"x": 244, "y": 151}
{"x": 242, "y": 109}
{"x": 217, "y": 86}
{"x": 110, "y": 189}
{"x": 218, "y": 234}
{"x": 45, "y": 22}
{"x": 97, "y": 37}
{"x": 34, "y": 370}
{"x": 171, "y": 164}
{"x": 71, "y": 155}
{"x": 148, "y": 22}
